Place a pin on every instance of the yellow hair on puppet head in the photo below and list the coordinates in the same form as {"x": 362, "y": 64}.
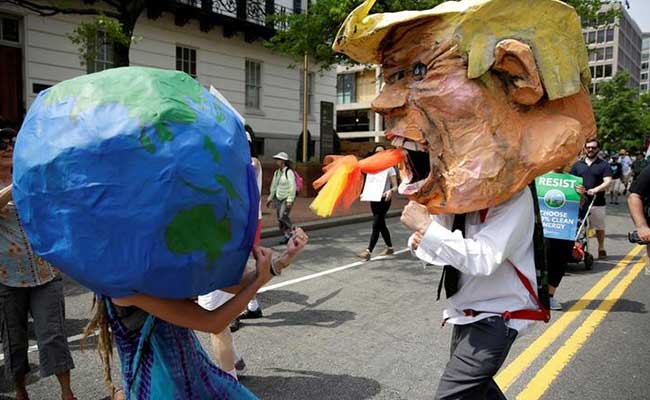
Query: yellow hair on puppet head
{"x": 550, "y": 27}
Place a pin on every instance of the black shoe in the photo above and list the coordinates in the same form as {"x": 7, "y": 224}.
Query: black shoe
{"x": 240, "y": 366}
{"x": 249, "y": 314}
{"x": 235, "y": 325}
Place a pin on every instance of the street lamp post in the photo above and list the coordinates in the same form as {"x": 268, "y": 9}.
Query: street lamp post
{"x": 305, "y": 99}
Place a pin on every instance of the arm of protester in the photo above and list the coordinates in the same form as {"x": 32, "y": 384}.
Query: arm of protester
{"x": 185, "y": 313}
{"x": 294, "y": 247}
{"x": 507, "y": 229}
{"x": 5, "y": 196}
{"x": 274, "y": 186}
{"x": 393, "y": 187}
{"x": 607, "y": 180}
{"x": 635, "y": 204}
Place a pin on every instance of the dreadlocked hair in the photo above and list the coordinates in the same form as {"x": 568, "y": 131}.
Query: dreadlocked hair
{"x": 99, "y": 322}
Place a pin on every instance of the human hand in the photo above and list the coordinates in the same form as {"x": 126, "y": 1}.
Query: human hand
{"x": 296, "y": 243}
{"x": 644, "y": 234}
{"x": 388, "y": 194}
{"x": 416, "y": 240}
{"x": 263, "y": 257}
{"x": 580, "y": 190}
{"x": 591, "y": 192}
{"x": 268, "y": 203}
{"x": 416, "y": 217}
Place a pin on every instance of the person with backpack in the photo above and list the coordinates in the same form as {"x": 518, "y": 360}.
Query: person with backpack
{"x": 283, "y": 194}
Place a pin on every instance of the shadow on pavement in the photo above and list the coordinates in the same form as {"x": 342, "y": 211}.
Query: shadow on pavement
{"x": 621, "y": 305}
{"x": 318, "y": 318}
{"x": 311, "y": 385}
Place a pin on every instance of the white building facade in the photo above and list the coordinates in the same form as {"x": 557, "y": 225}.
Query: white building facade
{"x": 257, "y": 81}
{"x": 645, "y": 61}
{"x": 614, "y": 46}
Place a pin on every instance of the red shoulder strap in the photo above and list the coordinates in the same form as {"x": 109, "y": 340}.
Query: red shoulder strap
{"x": 541, "y": 314}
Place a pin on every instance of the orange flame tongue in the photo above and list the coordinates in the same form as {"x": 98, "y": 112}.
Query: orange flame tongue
{"x": 343, "y": 181}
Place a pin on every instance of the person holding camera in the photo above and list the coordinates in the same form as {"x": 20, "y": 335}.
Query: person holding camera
{"x": 638, "y": 202}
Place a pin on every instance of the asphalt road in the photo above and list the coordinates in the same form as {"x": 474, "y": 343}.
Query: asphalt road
{"x": 372, "y": 330}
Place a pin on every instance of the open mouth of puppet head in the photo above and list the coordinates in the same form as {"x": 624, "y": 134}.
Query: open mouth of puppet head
{"x": 417, "y": 166}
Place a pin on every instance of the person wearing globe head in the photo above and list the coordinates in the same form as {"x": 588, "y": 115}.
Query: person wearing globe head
{"x": 596, "y": 176}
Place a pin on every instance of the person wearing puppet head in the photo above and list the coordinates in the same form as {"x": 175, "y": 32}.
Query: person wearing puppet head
{"x": 483, "y": 95}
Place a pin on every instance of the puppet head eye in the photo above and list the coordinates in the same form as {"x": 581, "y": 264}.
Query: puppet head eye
{"x": 419, "y": 71}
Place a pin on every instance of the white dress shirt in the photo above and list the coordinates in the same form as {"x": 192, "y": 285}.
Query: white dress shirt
{"x": 485, "y": 258}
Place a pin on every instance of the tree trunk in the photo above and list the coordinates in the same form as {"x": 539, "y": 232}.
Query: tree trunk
{"x": 121, "y": 55}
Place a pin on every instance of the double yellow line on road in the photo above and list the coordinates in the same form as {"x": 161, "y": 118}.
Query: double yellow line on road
{"x": 545, "y": 377}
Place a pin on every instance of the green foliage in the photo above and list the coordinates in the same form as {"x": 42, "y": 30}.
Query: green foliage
{"x": 621, "y": 114}
{"x": 313, "y": 32}
{"x": 84, "y": 36}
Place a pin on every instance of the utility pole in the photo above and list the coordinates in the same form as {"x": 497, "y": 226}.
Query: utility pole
{"x": 305, "y": 99}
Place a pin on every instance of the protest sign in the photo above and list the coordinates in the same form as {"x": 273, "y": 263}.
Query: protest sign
{"x": 559, "y": 204}
{"x": 374, "y": 186}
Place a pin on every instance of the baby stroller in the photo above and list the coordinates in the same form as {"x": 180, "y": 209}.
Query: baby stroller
{"x": 581, "y": 246}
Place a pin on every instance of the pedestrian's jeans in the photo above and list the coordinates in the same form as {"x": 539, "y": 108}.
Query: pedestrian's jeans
{"x": 282, "y": 212}
{"x": 477, "y": 352}
{"x": 46, "y": 304}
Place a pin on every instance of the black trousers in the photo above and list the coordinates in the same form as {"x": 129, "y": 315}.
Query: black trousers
{"x": 477, "y": 352}
{"x": 379, "y": 210}
{"x": 558, "y": 253}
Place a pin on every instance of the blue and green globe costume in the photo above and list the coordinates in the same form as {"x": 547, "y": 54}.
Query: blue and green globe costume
{"x": 138, "y": 180}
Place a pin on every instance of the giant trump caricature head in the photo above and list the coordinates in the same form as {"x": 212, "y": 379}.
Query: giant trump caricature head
{"x": 485, "y": 95}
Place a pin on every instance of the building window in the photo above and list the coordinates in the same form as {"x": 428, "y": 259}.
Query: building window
{"x": 253, "y": 84}
{"x": 258, "y": 146}
{"x": 600, "y": 54}
{"x": 644, "y": 65}
{"x": 610, "y": 34}
{"x": 609, "y": 53}
{"x": 104, "y": 57}
{"x": 310, "y": 92}
{"x": 644, "y": 76}
{"x": 9, "y": 29}
{"x": 608, "y": 70}
{"x": 591, "y": 37}
{"x": 599, "y": 71}
{"x": 297, "y": 6}
{"x": 591, "y": 69}
{"x": 645, "y": 56}
{"x": 644, "y": 86}
{"x": 353, "y": 121}
{"x": 592, "y": 54}
{"x": 186, "y": 60}
{"x": 601, "y": 36}
{"x": 345, "y": 89}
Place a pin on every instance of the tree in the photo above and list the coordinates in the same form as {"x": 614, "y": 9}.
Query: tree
{"x": 621, "y": 114}
{"x": 115, "y": 17}
{"x": 313, "y": 32}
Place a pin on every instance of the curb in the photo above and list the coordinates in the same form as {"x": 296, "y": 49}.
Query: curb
{"x": 328, "y": 223}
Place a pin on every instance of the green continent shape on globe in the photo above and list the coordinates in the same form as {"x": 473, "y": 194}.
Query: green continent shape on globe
{"x": 197, "y": 229}
{"x": 155, "y": 97}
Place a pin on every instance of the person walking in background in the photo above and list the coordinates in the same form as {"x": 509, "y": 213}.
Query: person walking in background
{"x": 253, "y": 310}
{"x": 596, "y": 177}
{"x": 638, "y": 165}
{"x": 379, "y": 210}
{"x": 617, "y": 187}
{"x": 626, "y": 177}
{"x": 283, "y": 194}
{"x": 28, "y": 285}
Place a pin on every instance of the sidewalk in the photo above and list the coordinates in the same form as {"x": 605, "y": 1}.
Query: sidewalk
{"x": 304, "y": 217}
